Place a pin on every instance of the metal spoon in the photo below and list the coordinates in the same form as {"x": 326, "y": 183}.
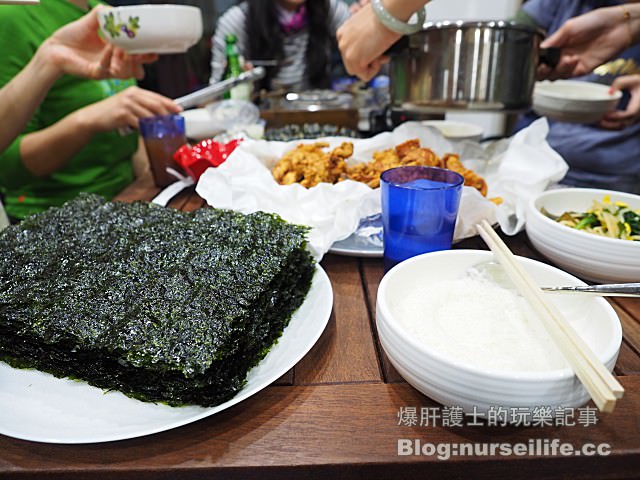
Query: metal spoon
{"x": 494, "y": 272}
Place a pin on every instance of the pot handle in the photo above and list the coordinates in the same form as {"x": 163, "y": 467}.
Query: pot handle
{"x": 549, "y": 56}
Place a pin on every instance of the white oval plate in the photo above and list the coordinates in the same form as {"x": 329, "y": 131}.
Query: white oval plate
{"x": 40, "y": 407}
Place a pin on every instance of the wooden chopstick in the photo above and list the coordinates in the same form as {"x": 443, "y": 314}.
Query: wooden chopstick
{"x": 602, "y": 386}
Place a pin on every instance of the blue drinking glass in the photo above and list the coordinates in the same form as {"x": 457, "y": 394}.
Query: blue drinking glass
{"x": 419, "y": 210}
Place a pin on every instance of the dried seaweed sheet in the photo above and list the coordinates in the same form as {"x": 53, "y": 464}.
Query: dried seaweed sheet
{"x": 159, "y": 304}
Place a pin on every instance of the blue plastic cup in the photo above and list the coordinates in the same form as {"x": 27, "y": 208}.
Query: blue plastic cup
{"x": 162, "y": 136}
{"x": 419, "y": 211}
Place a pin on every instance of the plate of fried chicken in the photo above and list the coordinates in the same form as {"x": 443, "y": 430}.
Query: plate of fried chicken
{"x": 312, "y": 163}
{"x": 331, "y": 184}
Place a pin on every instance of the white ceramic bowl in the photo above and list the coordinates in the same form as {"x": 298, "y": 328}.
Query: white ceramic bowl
{"x": 586, "y": 255}
{"x": 451, "y": 381}
{"x": 151, "y": 28}
{"x": 456, "y": 130}
{"x": 573, "y": 101}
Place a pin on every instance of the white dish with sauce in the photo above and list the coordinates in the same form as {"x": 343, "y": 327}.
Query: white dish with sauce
{"x": 427, "y": 357}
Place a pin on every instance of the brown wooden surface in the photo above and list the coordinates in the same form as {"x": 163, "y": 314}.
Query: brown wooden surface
{"x": 335, "y": 415}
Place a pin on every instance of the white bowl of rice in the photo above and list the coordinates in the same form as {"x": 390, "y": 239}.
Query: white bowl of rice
{"x": 476, "y": 345}
{"x": 594, "y": 251}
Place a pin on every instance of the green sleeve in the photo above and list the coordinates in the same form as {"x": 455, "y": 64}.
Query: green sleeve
{"x": 12, "y": 170}
{"x": 14, "y": 21}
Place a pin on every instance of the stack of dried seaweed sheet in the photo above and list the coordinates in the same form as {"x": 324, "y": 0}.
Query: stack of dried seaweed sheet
{"x": 159, "y": 304}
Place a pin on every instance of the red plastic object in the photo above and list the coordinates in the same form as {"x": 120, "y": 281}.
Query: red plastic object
{"x": 208, "y": 153}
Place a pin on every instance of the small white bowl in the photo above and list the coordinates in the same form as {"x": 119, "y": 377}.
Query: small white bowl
{"x": 574, "y": 101}
{"x": 592, "y": 257}
{"x": 456, "y": 130}
{"x": 453, "y": 381}
{"x": 151, "y": 28}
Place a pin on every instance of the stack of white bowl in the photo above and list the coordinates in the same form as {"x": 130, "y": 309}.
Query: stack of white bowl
{"x": 474, "y": 389}
{"x": 589, "y": 256}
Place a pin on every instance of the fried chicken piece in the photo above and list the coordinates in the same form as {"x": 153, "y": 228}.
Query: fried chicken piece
{"x": 404, "y": 148}
{"x": 406, "y": 153}
{"x": 421, "y": 156}
{"x": 384, "y": 160}
{"x": 309, "y": 164}
{"x": 365, "y": 173}
{"x": 472, "y": 179}
{"x": 337, "y": 161}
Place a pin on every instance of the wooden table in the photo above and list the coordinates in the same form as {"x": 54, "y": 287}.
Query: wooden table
{"x": 338, "y": 413}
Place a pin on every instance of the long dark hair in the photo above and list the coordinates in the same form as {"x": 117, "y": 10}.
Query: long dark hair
{"x": 265, "y": 38}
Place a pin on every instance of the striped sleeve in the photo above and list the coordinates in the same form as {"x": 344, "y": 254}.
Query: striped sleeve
{"x": 232, "y": 21}
{"x": 338, "y": 13}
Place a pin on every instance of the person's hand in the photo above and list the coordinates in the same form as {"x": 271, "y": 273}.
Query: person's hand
{"x": 362, "y": 41}
{"x": 588, "y": 41}
{"x": 619, "y": 119}
{"x": 77, "y": 49}
{"x": 125, "y": 109}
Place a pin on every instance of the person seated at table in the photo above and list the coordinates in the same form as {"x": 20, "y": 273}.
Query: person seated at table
{"x": 72, "y": 143}
{"x": 75, "y": 49}
{"x": 297, "y": 34}
{"x": 602, "y": 155}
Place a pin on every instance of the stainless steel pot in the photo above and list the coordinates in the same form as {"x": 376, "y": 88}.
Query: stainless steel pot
{"x": 467, "y": 65}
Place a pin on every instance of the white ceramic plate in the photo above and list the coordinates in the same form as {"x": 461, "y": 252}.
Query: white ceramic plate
{"x": 39, "y": 407}
{"x": 351, "y": 247}
{"x": 358, "y": 244}
{"x": 366, "y": 241}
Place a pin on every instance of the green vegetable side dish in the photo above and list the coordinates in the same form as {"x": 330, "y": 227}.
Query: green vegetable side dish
{"x": 606, "y": 218}
{"x": 130, "y": 29}
{"x": 162, "y": 305}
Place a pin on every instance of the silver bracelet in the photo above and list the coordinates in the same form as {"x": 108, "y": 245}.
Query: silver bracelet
{"x": 395, "y": 25}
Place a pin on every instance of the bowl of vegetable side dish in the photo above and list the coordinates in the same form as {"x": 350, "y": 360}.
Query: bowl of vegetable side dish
{"x": 592, "y": 233}
{"x": 468, "y": 342}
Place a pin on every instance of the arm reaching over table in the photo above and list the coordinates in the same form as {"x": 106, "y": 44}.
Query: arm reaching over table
{"x": 67, "y": 93}
{"x": 73, "y": 132}
{"x": 363, "y": 39}
{"x": 75, "y": 49}
{"x": 591, "y": 39}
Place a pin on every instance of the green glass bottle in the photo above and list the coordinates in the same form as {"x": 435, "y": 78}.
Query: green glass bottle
{"x": 233, "y": 69}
